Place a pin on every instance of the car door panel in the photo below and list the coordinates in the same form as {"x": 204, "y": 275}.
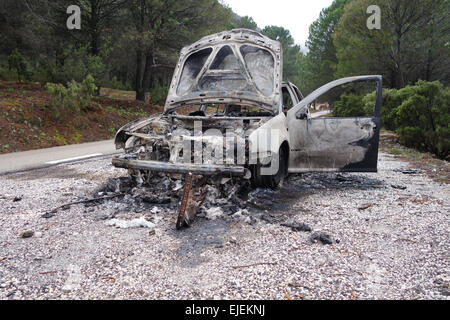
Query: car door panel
{"x": 334, "y": 144}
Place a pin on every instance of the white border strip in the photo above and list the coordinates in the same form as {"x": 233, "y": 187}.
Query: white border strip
{"x": 75, "y": 158}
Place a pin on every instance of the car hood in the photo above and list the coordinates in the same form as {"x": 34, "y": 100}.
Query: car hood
{"x": 240, "y": 66}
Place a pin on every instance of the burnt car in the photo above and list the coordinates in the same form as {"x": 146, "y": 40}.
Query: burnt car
{"x": 228, "y": 113}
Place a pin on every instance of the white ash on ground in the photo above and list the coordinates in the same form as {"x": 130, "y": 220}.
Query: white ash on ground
{"x": 135, "y": 223}
{"x": 225, "y": 198}
{"x": 387, "y": 243}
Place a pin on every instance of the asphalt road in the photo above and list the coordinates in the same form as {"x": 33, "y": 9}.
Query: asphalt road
{"x": 320, "y": 114}
{"x": 34, "y": 159}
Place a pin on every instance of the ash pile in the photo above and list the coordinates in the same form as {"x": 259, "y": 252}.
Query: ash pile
{"x": 214, "y": 198}
{"x": 126, "y": 203}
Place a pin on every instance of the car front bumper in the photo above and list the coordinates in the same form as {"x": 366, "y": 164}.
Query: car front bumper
{"x": 177, "y": 168}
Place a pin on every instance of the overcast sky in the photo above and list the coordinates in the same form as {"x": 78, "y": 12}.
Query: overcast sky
{"x": 294, "y": 15}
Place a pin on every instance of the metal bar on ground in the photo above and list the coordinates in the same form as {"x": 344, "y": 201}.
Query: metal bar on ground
{"x": 181, "y": 221}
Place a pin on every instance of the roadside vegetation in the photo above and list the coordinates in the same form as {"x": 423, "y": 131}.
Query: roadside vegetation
{"x": 419, "y": 114}
{"x": 32, "y": 117}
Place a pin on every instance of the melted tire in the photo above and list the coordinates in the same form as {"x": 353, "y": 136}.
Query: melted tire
{"x": 271, "y": 181}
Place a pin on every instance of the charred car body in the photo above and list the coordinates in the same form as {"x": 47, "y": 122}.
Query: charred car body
{"x": 227, "y": 114}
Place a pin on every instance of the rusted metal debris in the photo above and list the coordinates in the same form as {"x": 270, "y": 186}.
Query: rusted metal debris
{"x": 182, "y": 219}
{"x": 52, "y": 213}
{"x": 365, "y": 206}
{"x": 48, "y": 272}
{"x": 27, "y": 234}
{"x": 192, "y": 198}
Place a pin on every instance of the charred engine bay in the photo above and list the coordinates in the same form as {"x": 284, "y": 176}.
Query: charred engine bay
{"x": 164, "y": 137}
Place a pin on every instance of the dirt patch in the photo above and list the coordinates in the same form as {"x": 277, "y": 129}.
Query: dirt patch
{"x": 436, "y": 169}
{"x": 27, "y": 121}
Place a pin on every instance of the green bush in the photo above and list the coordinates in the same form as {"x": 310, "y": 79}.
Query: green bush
{"x": 7, "y": 74}
{"x": 420, "y": 114}
{"x": 84, "y": 92}
{"x": 352, "y": 105}
{"x": 18, "y": 63}
{"x": 423, "y": 117}
{"x": 158, "y": 95}
{"x": 77, "y": 65}
{"x": 75, "y": 97}
{"x": 59, "y": 98}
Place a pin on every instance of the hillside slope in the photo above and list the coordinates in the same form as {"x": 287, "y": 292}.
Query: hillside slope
{"x": 27, "y": 121}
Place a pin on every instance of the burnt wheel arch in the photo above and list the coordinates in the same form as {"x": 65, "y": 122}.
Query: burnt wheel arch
{"x": 272, "y": 181}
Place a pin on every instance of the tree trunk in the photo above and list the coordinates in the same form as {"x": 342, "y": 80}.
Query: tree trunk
{"x": 140, "y": 95}
{"x": 140, "y": 92}
{"x": 94, "y": 45}
{"x": 138, "y": 85}
{"x": 146, "y": 78}
{"x": 428, "y": 70}
{"x": 393, "y": 79}
{"x": 401, "y": 79}
{"x": 94, "y": 32}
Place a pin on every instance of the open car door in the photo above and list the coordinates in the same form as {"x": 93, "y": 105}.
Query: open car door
{"x": 334, "y": 144}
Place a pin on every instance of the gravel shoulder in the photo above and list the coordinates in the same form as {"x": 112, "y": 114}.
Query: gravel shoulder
{"x": 390, "y": 234}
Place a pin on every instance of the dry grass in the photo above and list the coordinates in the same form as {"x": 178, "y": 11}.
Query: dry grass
{"x": 117, "y": 94}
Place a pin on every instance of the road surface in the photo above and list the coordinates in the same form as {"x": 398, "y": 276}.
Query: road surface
{"x": 34, "y": 159}
{"x": 320, "y": 114}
